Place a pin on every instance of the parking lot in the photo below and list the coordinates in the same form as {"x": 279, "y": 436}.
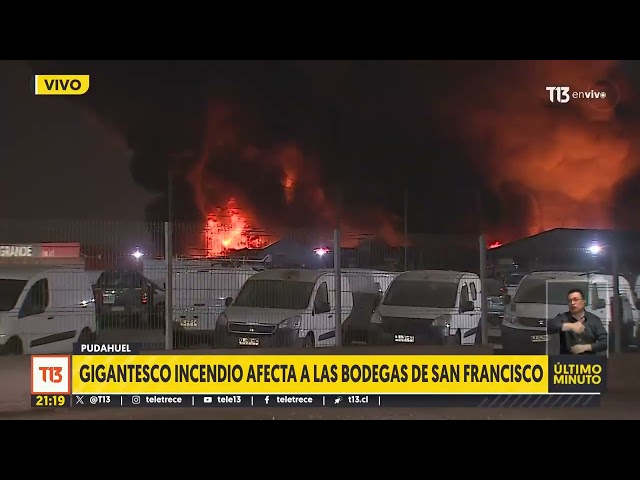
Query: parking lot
{"x": 150, "y": 338}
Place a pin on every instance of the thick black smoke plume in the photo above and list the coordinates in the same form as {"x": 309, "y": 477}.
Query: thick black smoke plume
{"x": 477, "y": 144}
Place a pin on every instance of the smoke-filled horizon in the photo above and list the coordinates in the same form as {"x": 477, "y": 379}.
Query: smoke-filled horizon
{"x": 477, "y": 145}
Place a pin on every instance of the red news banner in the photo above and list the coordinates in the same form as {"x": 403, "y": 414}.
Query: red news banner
{"x": 293, "y": 381}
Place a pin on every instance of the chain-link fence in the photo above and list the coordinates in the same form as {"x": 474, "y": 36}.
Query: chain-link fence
{"x": 538, "y": 276}
{"x": 195, "y": 286}
{"x": 198, "y": 286}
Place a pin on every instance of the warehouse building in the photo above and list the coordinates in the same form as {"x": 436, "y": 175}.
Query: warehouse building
{"x": 570, "y": 249}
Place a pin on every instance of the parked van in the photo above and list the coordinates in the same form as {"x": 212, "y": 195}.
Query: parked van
{"x": 495, "y": 293}
{"x": 367, "y": 287}
{"x": 45, "y": 309}
{"x": 280, "y": 308}
{"x": 199, "y": 297}
{"x": 382, "y": 279}
{"x": 511, "y": 282}
{"x": 127, "y": 297}
{"x": 429, "y": 307}
{"x": 636, "y": 286}
{"x": 156, "y": 270}
{"x": 543, "y": 295}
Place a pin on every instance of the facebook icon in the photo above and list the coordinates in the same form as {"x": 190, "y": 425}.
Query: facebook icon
{"x": 266, "y": 400}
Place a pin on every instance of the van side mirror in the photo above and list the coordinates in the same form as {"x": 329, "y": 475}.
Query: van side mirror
{"x": 228, "y": 301}
{"x": 466, "y": 306}
{"x": 506, "y": 299}
{"x": 600, "y": 304}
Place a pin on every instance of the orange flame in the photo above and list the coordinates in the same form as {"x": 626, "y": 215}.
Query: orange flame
{"x": 538, "y": 149}
{"x": 229, "y": 230}
{"x": 289, "y": 185}
{"x": 495, "y": 245}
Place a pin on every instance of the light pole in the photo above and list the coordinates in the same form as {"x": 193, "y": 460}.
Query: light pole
{"x": 406, "y": 231}
{"x": 615, "y": 326}
{"x": 168, "y": 249}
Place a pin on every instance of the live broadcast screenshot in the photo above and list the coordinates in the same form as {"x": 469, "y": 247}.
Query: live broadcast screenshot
{"x": 319, "y": 240}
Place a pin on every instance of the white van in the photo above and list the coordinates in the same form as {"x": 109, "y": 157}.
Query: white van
{"x": 156, "y": 270}
{"x": 429, "y": 307}
{"x": 199, "y": 297}
{"x": 543, "y": 295}
{"x": 636, "y": 287}
{"x": 511, "y": 282}
{"x": 280, "y": 308}
{"x": 367, "y": 288}
{"x": 45, "y": 309}
{"x": 382, "y": 279}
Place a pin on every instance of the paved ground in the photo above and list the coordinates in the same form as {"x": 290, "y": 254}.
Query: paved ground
{"x": 150, "y": 338}
{"x": 14, "y": 380}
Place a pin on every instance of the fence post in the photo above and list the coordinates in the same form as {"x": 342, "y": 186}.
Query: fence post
{"x": 168, "y": 305}
{"x": 484, "y": 330}
{"x": 616, "y": 321}
{"x": 338, "y": 286}
{"x": 406, "y": 231}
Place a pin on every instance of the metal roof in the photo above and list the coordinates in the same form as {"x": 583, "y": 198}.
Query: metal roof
{"x": 567, "y": 239}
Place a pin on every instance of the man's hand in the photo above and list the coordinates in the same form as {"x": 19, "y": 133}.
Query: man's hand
{"x": 577, "y": 327}
{"x": 578, "y": 349}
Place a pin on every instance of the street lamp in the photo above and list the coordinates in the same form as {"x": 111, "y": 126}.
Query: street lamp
{"x": 595, "y": 249}
{"x": 137, "y": 254}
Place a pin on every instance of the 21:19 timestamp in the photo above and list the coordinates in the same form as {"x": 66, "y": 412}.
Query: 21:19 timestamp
{"x": 50, "y": 400}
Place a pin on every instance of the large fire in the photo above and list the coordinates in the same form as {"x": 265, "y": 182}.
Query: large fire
{"x": 546, "y": 159}
{"x": 233, "y": 227}
{"x": 228, "y": 229}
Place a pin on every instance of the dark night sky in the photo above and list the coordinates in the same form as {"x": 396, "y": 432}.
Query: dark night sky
{"x": 462, "y": 137}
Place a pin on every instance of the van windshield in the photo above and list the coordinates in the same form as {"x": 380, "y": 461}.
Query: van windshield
{"x": 10, "y": 291}
{"x": 431, "y": 294}
{"x": 285, "y": 294}
{"x": 513, "y": 280}
{"x": 549, "y": 292}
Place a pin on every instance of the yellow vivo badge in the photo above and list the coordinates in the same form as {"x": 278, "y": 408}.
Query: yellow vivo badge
{"x": 61, "y": 84}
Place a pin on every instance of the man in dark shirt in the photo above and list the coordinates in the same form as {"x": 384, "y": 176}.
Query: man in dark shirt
{"x": 580, "y": 331}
